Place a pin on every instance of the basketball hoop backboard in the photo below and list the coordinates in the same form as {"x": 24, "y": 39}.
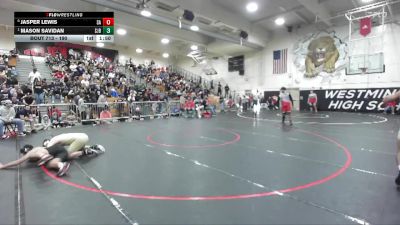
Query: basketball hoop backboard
{"x": 365, "y": 50}
{"x": 365, "y": 64}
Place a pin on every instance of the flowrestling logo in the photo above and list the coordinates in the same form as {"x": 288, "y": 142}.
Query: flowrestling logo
{"x": 362, "y": 100}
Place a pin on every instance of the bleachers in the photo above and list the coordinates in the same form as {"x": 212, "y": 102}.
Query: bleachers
{"x": 42, "y": 67}
{"x": 25, "y": 66}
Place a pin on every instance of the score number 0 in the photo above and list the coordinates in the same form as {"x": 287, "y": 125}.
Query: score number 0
{"x": 108, "y": 21}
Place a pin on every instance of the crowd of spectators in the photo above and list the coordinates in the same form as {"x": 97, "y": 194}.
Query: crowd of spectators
{"x": 82, "y": 80}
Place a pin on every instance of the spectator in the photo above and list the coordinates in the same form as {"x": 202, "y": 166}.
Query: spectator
{"x": 4, "y": 91}
{"x": 28, "y": 98}
{"x": 86, "y": 76}
{"x": 85, "y": 82}
{"x": 79, "y": 105}
{"x": 113, "y": 93}
{"x": 111, "y": 75}
{"x": 96, "y": 74}
{"x": 2, "y": 63}
{"x": 212, "y": 104}
{"x": 269, "y": 103}
{"x": 182, "y": 101}
{"x": 102, "y": 101}
{"x": 226, "y": 91}
{"x": 34, "y": 75}
{"x": 189, "y": 105}
{"x": 70, "y": 119}
{"x": 105, "y": 115}
{"x": 3, "y": 76}
{"x": 53, "y": 110}
{"x": 7, "y": 116}
{"x": 46, "y": 123}
{"x": 251, "y": 101}
{"x": 13, "y": 72}
{"x": 39, "y": 91}
{"x": 80, "y": 70}
{"x": 219, "y": 89}
{"x": 19, "y": 92}
{"x": 73, "y": 68}
{"x": 59, "y": 74}
{"x": 390, "y": 108}
{"x": 55, "y": 120}
{"x": 27, "y": 116}
{"x": 199, "y": 106}
{"x": 222, "y": 104}
{"x": 15, "y": 100}
{"x": 54, "y": 91}
{"x": 132, "y": 96}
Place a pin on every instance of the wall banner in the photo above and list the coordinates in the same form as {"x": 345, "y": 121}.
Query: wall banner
{"x": 348, "y": 100}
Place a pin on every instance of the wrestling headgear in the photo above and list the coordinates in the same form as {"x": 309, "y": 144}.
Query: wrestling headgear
{"x": 99, "y": 148}
{"x": 46, "y": 142}
{"x": 26, "y": 149}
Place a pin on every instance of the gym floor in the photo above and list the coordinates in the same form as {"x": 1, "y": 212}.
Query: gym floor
{"x": 329, "y": 168}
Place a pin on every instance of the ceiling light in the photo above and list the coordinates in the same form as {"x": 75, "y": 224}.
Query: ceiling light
{"x": 366, "y": 1}
{"x": 121, "y": 31}
{"x": 165, "y": 55}
{"x": 194, "y": 28}
{"x": 194, "y": 47}
{"x": 145, "y": 13}
{"x": 280, "y": 21}
{"x": 100, "y": 45}
{"x": 165, "y": 41}
{"x": 252, "y": 7}
{"x": 139, "y": 50}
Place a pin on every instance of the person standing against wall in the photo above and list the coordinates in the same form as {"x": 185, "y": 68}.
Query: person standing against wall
{"x": 226, "y": 91}
{"x": 219, "y": 89}
{"x": 312, "y": 101}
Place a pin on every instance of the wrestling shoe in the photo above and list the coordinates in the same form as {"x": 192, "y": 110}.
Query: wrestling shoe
{"x": 63, "y": 170}
{"x": 94, "y": 150}
{"x": 5, "y": 136}
{"x": 44, "y": 159}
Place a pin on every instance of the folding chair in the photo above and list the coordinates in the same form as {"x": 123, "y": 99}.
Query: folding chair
{"x": 10, "y": 129}
{"x": 190, "y": 113}
{"x": 207, "y": 114}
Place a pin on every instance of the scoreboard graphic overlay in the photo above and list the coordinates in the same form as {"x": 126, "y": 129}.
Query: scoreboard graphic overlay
{"x": 64, "y": 26}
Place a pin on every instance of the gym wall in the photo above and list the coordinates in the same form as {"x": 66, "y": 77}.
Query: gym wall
{"x": 258, "y": 65}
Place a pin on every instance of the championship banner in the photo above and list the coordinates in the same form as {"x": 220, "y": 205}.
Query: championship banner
{"x": 348, "y": 100}
{"x": 67, "y": 50}
{"x": 365, "y": 26}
